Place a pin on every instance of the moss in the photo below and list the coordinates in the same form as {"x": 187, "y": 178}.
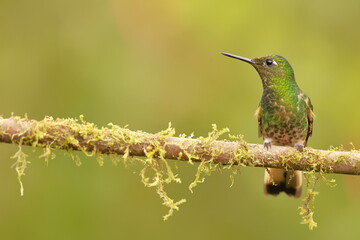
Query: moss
{"x": 156, "y": 171}
{"x": 205, "y": 168}
{"x": 20, "y": 165}
{"x": 242, "y": 153}
{"x": 184, "y": 144}
{"x": 47, "y": 154}
{"x": 100, "y": 159}
{"x": 74, "y": 157}
{"x": 162, "y": 173}
{"x": 240, "y": 158}
{"x": 307, "y": 206}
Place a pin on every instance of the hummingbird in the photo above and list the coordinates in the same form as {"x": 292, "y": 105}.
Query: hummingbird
{"x": 285, "y": 118}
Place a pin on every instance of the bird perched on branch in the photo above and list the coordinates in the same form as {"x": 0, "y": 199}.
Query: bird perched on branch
{"x": 285, "y": 118}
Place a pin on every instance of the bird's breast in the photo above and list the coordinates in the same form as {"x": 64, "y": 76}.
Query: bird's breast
{"x": 285, "y": 125}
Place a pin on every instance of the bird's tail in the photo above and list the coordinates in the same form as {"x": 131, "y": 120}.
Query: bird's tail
{"x": 280, "y": 180}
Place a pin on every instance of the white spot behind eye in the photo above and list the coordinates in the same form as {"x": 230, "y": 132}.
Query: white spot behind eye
{"x": 270, "y": 62}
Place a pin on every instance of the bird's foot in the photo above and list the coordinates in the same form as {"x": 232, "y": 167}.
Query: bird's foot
{"x": 299, "y": 147}
{"x": 267, "y": 145}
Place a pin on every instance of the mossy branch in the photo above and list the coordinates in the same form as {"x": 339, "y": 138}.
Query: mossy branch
{"x": 155, "y": 149}
{"x": 70, "y": 134}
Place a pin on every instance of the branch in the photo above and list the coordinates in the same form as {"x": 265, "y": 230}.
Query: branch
{"x": 70, "y": 134}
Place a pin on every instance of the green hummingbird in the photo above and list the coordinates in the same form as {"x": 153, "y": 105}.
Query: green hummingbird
{"x": 285, "y": 118}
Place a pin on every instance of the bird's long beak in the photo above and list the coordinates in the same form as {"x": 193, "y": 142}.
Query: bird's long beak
{"x": 248, "y": 60}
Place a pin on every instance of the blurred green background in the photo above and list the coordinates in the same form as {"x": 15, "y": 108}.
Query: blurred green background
{"x": 146, "y": 63}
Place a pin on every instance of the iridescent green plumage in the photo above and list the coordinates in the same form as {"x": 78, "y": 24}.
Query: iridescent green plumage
{"x": 284, "y": 115}
{"x": 285, "y": 112}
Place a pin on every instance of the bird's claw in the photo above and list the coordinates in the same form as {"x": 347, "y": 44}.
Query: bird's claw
{"x": 299, "y": 147}
{"x": 267, "y": 145}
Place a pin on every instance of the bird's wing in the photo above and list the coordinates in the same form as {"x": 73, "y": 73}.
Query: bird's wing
{"x": 259, "y": 118}
{"x": 310, "y": 117}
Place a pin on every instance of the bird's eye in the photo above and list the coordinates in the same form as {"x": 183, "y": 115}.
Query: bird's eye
{"x": 269, "y": 62}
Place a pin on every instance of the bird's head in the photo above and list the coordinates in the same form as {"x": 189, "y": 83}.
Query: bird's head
{"x": 273, "y": 69}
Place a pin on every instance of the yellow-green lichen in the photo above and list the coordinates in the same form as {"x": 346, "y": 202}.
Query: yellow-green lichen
{"x": 240, "y": 158}
{"x": 70, "y": 134}
{"x": 307, "y": 206}
{"x": 20, "y": 166}
{"x": 47, "y": 154}
{"x": 205, "y": 168}
{"x": 161, "y": 171}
